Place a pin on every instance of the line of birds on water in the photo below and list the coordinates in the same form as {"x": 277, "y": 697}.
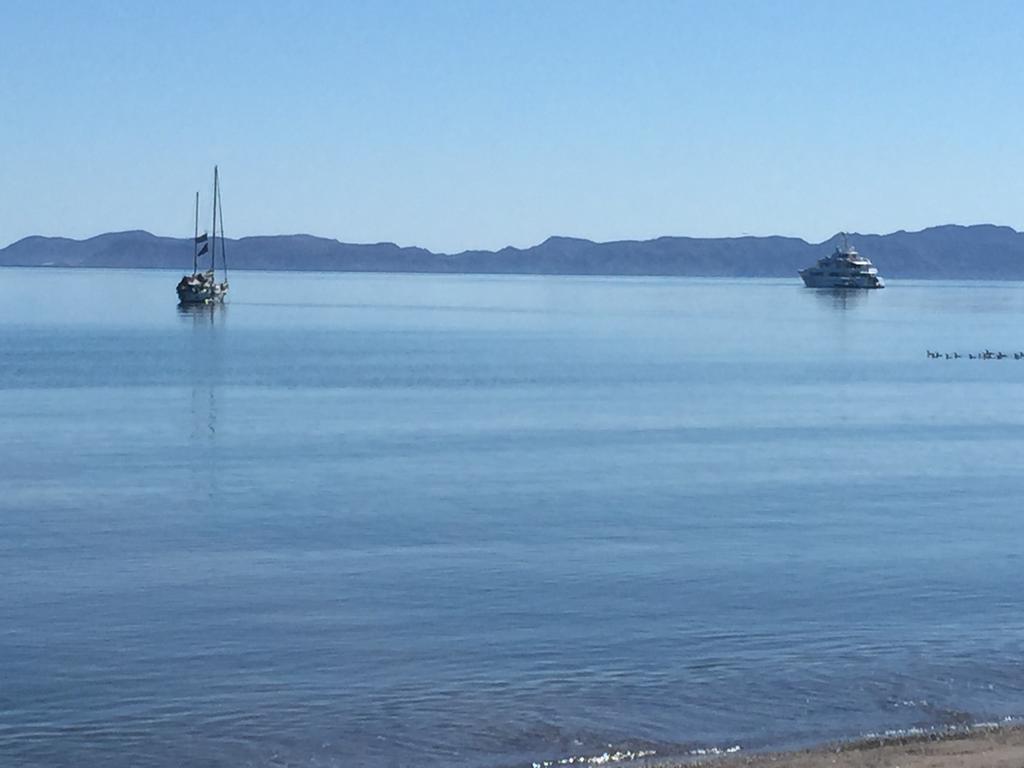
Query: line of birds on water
{"x": 986, "y": 355}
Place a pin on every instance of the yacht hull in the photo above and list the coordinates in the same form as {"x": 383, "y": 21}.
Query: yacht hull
{"x": 812, "y": 280}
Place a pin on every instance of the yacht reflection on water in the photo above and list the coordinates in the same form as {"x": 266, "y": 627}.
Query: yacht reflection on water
{"x": 841, "y": 298}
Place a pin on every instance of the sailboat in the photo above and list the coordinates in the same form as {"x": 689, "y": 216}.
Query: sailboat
{"x": 202, "y": 287}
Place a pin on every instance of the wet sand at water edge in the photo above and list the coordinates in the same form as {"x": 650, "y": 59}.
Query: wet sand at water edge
{"x": 978, "y": 747}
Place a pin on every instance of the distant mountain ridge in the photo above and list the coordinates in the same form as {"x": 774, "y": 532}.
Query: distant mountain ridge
{"x": 977, "y": 252}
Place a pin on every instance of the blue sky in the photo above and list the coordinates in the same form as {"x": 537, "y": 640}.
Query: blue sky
{"x": 462, "y": 124}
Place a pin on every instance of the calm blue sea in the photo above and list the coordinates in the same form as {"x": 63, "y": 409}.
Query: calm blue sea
{"x": 392, "y": 520}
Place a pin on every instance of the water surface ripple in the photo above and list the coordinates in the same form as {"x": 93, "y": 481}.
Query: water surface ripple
{"x": 372, "y": 520}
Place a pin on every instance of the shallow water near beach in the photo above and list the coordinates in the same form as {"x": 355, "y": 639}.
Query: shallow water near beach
{"x": 483, "y": 521}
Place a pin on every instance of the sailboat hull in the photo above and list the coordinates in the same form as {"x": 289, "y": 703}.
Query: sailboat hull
{"x": 200, "y": 289}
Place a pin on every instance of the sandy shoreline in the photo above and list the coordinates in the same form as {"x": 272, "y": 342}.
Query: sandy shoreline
{"x": 983, "y": 746}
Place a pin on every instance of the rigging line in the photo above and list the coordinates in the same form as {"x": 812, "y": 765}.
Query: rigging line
{"x": 223, "y": 252}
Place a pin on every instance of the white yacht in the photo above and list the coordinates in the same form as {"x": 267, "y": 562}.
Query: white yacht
{"x": 843, "y": 269}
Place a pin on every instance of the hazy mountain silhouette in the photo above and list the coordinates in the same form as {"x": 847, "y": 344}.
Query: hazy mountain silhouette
{"x": 982, "y": 251}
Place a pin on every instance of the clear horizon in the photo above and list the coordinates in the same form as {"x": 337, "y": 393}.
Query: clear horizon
{"x": 465, "y": 126}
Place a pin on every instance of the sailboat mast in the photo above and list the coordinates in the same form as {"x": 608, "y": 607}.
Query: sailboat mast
{"x": 195, "y": 240}
{"x": 213, "y": 250}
